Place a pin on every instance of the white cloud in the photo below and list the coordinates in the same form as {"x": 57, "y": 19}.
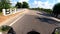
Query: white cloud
{"x": 58, "y": 0}
{"x": 23, "y": 0}
{"x": 20, "y": 1}
{"x": 14, "y": 2}
{"x": 41, "y": 4}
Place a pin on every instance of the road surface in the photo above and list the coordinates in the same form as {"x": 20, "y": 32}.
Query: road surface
{"x": 33, "y": 20}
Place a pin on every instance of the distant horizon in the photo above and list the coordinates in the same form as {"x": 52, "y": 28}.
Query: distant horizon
{"x": 48, "y": 4}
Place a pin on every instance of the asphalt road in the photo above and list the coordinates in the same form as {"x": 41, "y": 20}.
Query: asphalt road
{"x": 33, "y": 20}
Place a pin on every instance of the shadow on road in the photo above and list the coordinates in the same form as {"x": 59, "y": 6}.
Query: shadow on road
{"x": 49, "y": 15}
{"x": 47, "y": 20}
{"x": 44, "y": 14}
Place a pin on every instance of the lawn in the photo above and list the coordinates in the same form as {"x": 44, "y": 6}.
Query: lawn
{"x": 1, "y": 13}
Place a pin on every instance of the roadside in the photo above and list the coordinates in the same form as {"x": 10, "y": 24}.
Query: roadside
{"x": 44, "y": 14}
{"x": 6, "y": 20}
{"x": 44, "y": 17}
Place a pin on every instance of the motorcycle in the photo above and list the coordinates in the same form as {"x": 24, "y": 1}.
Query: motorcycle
{"x": 11, "y": 30}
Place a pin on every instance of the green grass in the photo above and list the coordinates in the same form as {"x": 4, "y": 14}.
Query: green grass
{"x": 49, "y": 12}
{"x": 42, "y": 9}
{"x": 56, "y": 33}
{"x": 0, "y": 13}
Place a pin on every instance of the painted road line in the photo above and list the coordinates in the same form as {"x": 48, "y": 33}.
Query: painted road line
{"x": 16, "y": 20}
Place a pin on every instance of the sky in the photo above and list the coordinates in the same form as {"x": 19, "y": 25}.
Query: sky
{"x": 48, "y": 4}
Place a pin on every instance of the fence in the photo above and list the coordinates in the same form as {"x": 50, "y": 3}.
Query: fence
{"x": 7, "y": 12}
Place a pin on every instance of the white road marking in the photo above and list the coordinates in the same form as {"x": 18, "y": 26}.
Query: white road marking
{"x": 16, "y": 20}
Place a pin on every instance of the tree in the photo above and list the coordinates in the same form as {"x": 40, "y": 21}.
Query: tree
{"x": 18, "y": 5}
{"x": 4, "y": 4}
{"x": 25, "y": 5}
{"x": 56, "y": 10}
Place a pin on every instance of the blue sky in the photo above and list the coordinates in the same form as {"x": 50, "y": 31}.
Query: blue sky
{"x": 38, "y": 3}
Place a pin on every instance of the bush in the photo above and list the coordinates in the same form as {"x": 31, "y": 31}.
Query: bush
{"x": 48, "y": 10}
{"x": 42, "y": 9}
{"x": 4, "y": 28}
{"x": 56, "y": 10}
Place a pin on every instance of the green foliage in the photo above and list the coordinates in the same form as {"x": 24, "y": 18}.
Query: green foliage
{"x": 35, "y": 8}
{"x": 25, "y": 5}
{"x": 42, "y": 9}
{"x": 22, "y": 5}
{"x": 1, "y": 13}
{"x": 4, "y": 4}
{"x": 56, "y": 9}
{"x": 18, "y": 5}
{"x": 4, "y": 28}
{"x": 47, "y": 10}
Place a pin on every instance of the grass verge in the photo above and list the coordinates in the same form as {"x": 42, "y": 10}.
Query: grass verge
{"x": 1, "y": 13}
